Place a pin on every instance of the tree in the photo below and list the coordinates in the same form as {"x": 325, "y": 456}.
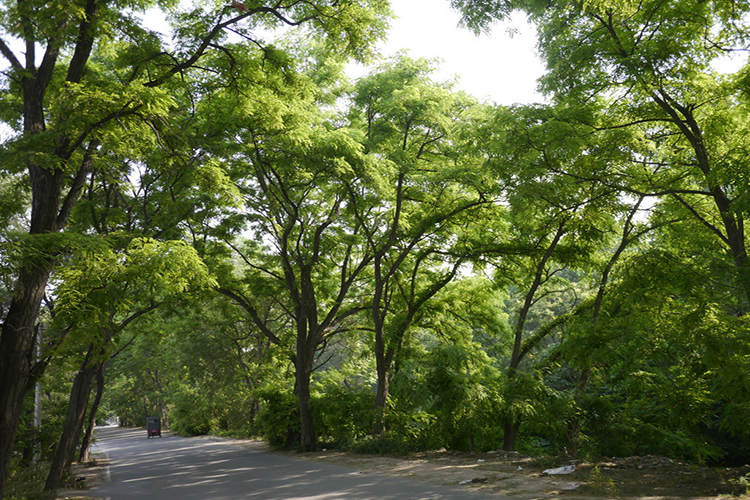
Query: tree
{"x": 648, "y": 68}
{"x": 427, "y": 197}
{"x": 67, "y": 116}
{"x": 293, "y": 169}
{"x": 554, "y": 225}
{"x": 645, "y": 73}
{"x": 97, "y": 299}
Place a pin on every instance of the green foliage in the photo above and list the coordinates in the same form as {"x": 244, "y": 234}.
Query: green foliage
{"x": 28, "y": 483}
{"x": 343, "y": 416}
{"x": 370, "y": 218}
{"x": 279, "y": 418}
{"x": 193, "y": 413}
{"x": 467, "y": 400}
{"x": 55, "y": 386}
{"x": 390, "y": 444}
{"x": 602, "y": 485}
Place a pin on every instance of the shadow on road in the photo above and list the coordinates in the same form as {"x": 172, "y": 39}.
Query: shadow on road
{"x": 176, "y": 468}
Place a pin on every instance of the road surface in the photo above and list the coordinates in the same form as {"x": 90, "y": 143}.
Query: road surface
{"x": 176, "y": 468}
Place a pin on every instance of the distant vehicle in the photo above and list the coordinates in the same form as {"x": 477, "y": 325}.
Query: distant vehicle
{"x": 153, "y": 427}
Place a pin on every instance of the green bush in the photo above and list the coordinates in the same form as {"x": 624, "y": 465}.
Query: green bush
{"x": 279, "y": 418}
{"x": 28, "y": 483}
{"x": 190, "y": 415}
{"x": 343, "y": 416}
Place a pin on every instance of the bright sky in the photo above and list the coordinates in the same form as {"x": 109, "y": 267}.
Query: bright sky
{"x": 500, "y": 67}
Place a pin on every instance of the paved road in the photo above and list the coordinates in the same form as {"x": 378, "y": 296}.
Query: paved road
{"x": 175, "y": 468}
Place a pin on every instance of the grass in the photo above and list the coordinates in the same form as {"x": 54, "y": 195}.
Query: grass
{"x": 28, "y": 484}
{"x": 601, "y": 484}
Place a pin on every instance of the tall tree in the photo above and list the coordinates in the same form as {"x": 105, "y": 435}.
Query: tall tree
{"x": 66, "y": 116}
{"x": 646, "y": 73}
{"x": 293, "y": 168}
{"x": 557, "y": 223}
{"x": 425, "y": 203}
{"x": 650, "y": 68}
{"x": 98, "y": 298}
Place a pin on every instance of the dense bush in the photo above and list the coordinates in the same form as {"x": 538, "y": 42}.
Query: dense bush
{"x": 343, "y": 416}
{"x": 279, "y": 418}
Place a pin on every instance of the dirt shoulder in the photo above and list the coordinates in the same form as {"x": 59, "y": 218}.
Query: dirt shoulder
{"x": 85, "y": 476}
{"x": 513, "y": 475}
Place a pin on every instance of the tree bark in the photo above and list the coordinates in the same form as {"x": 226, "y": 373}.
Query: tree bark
{"x": 77, "y": 405}
{"x": 510, "y": 436}
{"x": 88, "y": 435}
{"x": 17, "y": 343}
{"x": 308, "y": 440}
{"x": 17, "y": 339}
{"x": 381, "y": 395}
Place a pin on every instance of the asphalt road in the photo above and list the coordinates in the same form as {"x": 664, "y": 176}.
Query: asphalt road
{"x": 175, "y": 468}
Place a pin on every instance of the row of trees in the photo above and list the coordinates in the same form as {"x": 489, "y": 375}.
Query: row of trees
{"x": 94, "y": 94}
{"x": 230, "y": 234}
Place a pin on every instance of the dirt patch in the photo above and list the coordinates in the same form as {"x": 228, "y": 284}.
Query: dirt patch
{"x": 84, "y": 477}
{"x": 513, "y": 475}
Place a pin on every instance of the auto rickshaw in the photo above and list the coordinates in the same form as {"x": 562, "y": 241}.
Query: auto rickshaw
{"x": 153, "y": 427}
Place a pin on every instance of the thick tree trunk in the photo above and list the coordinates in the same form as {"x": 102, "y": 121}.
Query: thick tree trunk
{"x": 307, "y": 426}
{"x": 79, "y": 401}
{"x": 88, "y": 435}
{"x": 17, "y": 338}
{"x": 17, "y": 342}
{"x": 510, "y": 436}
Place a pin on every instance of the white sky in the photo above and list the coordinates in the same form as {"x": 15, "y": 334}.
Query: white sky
{"x": 500, "y": 67}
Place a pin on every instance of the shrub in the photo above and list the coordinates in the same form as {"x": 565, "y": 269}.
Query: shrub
{"x": 279, "y": 418}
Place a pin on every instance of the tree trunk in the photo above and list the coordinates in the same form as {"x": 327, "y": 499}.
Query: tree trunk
{"x": 574, "y": 424}
{"x": 381, "y": 397}
{"x": 510, "y": 436}
{"x": 17, "y": 342}
{"x": 79, "y": 400}
{"x": 303, "y": 364}
{"x": 17, "y": 338}
{"x": 307, "y": 436}
{"x": 88, "y": 435}
{"x": 382, "y": 367}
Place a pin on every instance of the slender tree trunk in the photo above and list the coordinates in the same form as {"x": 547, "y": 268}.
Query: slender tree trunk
{"x": 381, "y": 395}
{"x": 79, "y": 400}
{"x": 512, "y": 422}
{"x": 574, "y": 424}
{"x": 88, "y": 435}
